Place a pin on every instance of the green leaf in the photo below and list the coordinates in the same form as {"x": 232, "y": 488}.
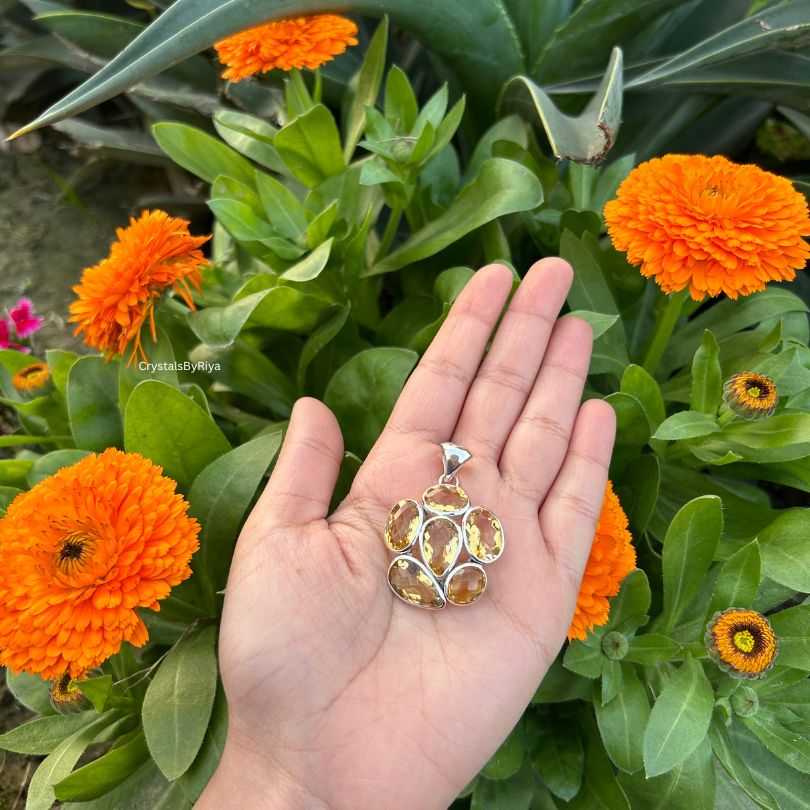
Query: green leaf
{"x": 584, "y": 659}
{"x": 560, "y": 685}
{"x": 173, "y": 431}
{"x": 219, "y": 499}
{"x": 284, "y": 211}
{"x": 47, "y": 465}
{"x": 686, "y": 425}
{"x": 689, "y": 547}
{"x": 790, "y": 747}
{"x": 311, "y": 266}
{"x": 598, "y": 321}
{"x": 501, "y": 187}
{"x": 651, "y": 648}
{"x": 161, "y": 357}
{"x": 103, "y": 774}
{"x": 310, "y": 146}
{"x": 783, "y": 437}
{"x": 31, "y": 691}
{"x": 318, "y": 339}
{"x": 401, "y": 107}
{"x": 638, "y": 383}
{"x": 363, "y": 391}
{"x": 637, "y": 487}
{"x": 44, "y": 734}
{"x": 691, "y": 784}
{"x": 738, "y": 581}
{"x": 628, "y": 609}
{"x": 679, "y": 719}
{"x": 787, "y": 785}
{"x": 14, "y": 472}
{"x": 790, "y": 627}
{"x": 97, "y": 690}
{"x": 621, "y": 720}
{"x": 60, "y": 363}
{"x": 252, "y": 137}
{"x": 586, "y": 138}
{"x": 179, "y": 700}
{"x": 707, "y": 377}
{"x": 92, "y": 401}
{"x": 504, "y": 794}
{"x": 18, "y": 439}
{"x": 736, "y": 767}
{"x": 366, "y": 88}
{"x": 506, "y": 761}
{"x": 785, "y": 549}
{"x": 57, "y": 765}
{"x": 556, "y": 753}
{"x": 202, "y": 154}
{"x": 7, "y": 495}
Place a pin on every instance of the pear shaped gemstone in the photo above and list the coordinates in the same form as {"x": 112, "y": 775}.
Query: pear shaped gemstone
{"x": 483, "y": 534}
{"x": 466, "y": 584}
{"x": 446, "y": 499}
{"x": 440, "y": 544}
{"x": 403, "y": 524}
{"x": 414, "y": 584}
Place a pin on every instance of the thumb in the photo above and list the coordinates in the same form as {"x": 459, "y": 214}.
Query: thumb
{"x": 301, "y": 486}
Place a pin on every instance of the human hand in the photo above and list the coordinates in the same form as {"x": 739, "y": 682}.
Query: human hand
{"x": 339, "y": 694}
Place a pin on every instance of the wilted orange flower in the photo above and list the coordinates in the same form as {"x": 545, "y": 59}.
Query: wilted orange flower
{"x": 117, "y": 295}
{"x": 79, "y": 553}
{"x": 709, "y": 224}
{"x": 31, "y": 378}
{"x": 296, "y": 42}
{"x": 751, "y": 395}
{"x": 65, "y": 693}
{"x": 612, "y": 559}
{"x": 742, "y": 642}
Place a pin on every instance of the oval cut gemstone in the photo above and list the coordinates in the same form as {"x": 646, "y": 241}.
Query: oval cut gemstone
{"x": 484, "y": 534}
{"x": 412, "y": 583}
{"x": 466, "y": 584}
{"x": 403, "y": 524}
{"x": 441, "y": 544}
{"x": 446, "y": 499}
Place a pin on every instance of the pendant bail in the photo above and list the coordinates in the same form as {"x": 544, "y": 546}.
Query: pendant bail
{"x": 453, "y": 457}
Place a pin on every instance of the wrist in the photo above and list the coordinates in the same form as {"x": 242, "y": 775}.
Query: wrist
{"x": 242, "y": 779}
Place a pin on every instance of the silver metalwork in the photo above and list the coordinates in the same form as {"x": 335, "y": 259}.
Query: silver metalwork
{"x": 453, "y": 457}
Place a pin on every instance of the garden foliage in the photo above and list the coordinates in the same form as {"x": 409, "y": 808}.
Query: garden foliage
{"x": 347, "y": 217}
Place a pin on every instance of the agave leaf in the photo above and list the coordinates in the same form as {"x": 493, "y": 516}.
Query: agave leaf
{"x": 474, "y": 38}
{"x": 585, "y": 138}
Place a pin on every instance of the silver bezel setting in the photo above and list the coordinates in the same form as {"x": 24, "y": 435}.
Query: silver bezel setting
{"x": 472, "y": 564}
{"x": 454, "y": 512}
{"x": 467, "y": 539}
{"x": 417, "y": 534}
{"x": 460, "y": 545}
{"x": 439, "y": 589}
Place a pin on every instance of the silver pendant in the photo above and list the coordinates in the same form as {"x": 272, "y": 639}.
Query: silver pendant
{"x": 454, "y": 540}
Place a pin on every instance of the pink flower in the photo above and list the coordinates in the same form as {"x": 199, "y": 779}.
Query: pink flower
{"x": 5, "y": 334}
{"x": 25, "y": 322}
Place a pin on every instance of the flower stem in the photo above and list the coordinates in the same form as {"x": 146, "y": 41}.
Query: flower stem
{"x": 388, "y": 235}
{"x": 664, "y": 325}
{"x": 725, "y": 418}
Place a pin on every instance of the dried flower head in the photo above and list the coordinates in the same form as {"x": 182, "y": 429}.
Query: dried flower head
{"x": 117, "y": 295}
{"x": 742, "y": 642}
{"x": 296, "y": 42}
{"x": 709, "y": 224}
{"x": 65, "y": 694}
{"x": 31, "y": 378}
{"x": 750, "y": 395}
{"x": 79, "y": 553}
{"x": 612, "y": 558}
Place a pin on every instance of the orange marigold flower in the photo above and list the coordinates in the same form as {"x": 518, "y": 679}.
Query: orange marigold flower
{"x": 751, "y": 395}
{"x": 296, "y": 42}
{"x": 709, "y": 224}
{"x": 31, "y": 378}
{"x": 79, "y": 553}
{"x": 116, "y": 296}
{"x": 742, "y": 642}
{"x": 612, "y": 558}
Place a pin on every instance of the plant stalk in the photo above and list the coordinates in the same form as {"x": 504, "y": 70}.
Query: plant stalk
{"x": 664, "y": 326}
{"x": 388, "y": 234}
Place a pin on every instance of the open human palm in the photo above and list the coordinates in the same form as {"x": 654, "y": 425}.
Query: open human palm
{"x": 342, "y": 696}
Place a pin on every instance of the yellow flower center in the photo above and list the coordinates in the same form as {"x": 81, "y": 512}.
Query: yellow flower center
{"x": 744, "y": 641}
{"x": 754, "y": 392}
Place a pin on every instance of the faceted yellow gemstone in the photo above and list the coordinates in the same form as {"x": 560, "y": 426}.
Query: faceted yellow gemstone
{"x": 403, "y": 524}
{"x": 466, "y": 584}
{"x": 441, "y": 543}
{"x": 412, "y": 583}
{"x": 484, "y": 534}
{"x": 446, "y": 499}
